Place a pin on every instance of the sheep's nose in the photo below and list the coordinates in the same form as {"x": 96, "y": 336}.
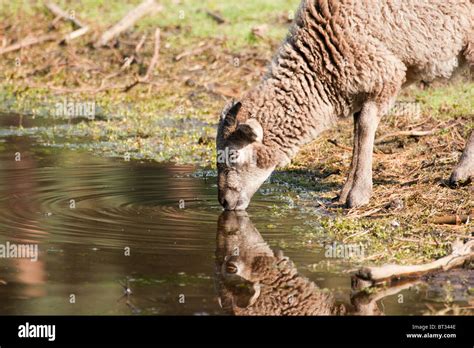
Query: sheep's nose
{"x": 225, "y": 204}
{"x": 221, "y": 199}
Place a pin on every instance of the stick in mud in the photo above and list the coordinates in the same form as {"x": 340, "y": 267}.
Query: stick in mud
{"x": 370, "y": 276}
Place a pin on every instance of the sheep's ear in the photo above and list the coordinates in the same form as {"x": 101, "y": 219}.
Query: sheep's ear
{"x": 278, "y": 254}
{"x": 230, "y": 114}
{"x": 248, "y": 297}
{"x": 250, "y": 130}
{"x": 256, "y": 294}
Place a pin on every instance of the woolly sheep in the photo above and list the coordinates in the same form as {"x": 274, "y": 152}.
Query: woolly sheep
{"x": 340, "y": 58}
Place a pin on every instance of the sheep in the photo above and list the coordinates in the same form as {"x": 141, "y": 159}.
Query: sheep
{"x": 254, "y": 280}
{"x": 340, "y": 58}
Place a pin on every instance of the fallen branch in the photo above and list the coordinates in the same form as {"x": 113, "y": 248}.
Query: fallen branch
{"x": 452, "y": 219}
{"x": 74, "y": 35}
{"x": 59, "y": 12}
{"x": 369, "y": 276}
{"x": 413, "y": 133}
{"x": 29, "y": 41}
{"x": 129, "y": 20}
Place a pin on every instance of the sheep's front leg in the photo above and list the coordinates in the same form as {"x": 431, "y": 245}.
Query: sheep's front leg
{"x": 361, "y": 190}
{"x": 350, "y": 177}
{"x": 464, "y": 171}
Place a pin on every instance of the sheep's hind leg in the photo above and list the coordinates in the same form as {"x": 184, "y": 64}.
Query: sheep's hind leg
{"x": 350, "y": 177}
{"x": 464, "y": 171}
{"x": 361, "y": 190}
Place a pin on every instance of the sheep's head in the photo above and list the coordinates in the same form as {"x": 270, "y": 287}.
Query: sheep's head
{"x": 243, "y": 259}
{"x": 253, "y": 279}
{"x": 244, "y": 162}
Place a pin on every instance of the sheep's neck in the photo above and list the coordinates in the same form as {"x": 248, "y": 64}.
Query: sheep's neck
{"x": 291, "y": 113}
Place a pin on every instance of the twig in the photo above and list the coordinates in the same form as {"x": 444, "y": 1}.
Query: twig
{"x": 131, "y": 85}
{"x": 59, "y": 12}
{"x": 358, "y": 234}
{"x": 412, "y": 240}
{"x": 133, "y": 57}
{"x": 78, "y": 90}
{"x": 151, "y": 67}
{"x": 217, "y": 17}
{"x": 201, "y": 48}
{"x": 156, "y": 55}
{"x": 74, "y": 35}
{"x": 129, "y": 20}
{"x": 140, "y": 44}
{"x": 54, "y": 22}
{"x": 337, "y": 144}
{"x": 127, "y": 63}
{"x": 347, "y": 148}
{"x": 29, "y": 41}
{"x": 413, "y": 133}
{"x": 353, "y": 214}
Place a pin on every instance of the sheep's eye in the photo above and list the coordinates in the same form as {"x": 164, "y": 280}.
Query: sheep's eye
{"x": 231, "y": 268}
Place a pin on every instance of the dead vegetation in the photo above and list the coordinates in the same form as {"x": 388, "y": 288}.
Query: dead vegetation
{"x": 42, "y": 55}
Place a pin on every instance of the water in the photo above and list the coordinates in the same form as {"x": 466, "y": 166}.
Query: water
{"x": 117, "y": 237}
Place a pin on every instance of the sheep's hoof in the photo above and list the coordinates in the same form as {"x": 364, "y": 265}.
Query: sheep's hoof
{"x": 344, "y": 192}
{"x": 357, "y": 199}
{"x": 342, "y": 199}
{"x": 459, "y": 177}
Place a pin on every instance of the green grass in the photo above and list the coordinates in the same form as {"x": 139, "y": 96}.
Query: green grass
{"x": 185, "y": 16}
{"x": 444, "y": 102}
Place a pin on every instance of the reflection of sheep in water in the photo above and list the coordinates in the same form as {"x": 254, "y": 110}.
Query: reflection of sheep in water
{"x": 253, "y": 280}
